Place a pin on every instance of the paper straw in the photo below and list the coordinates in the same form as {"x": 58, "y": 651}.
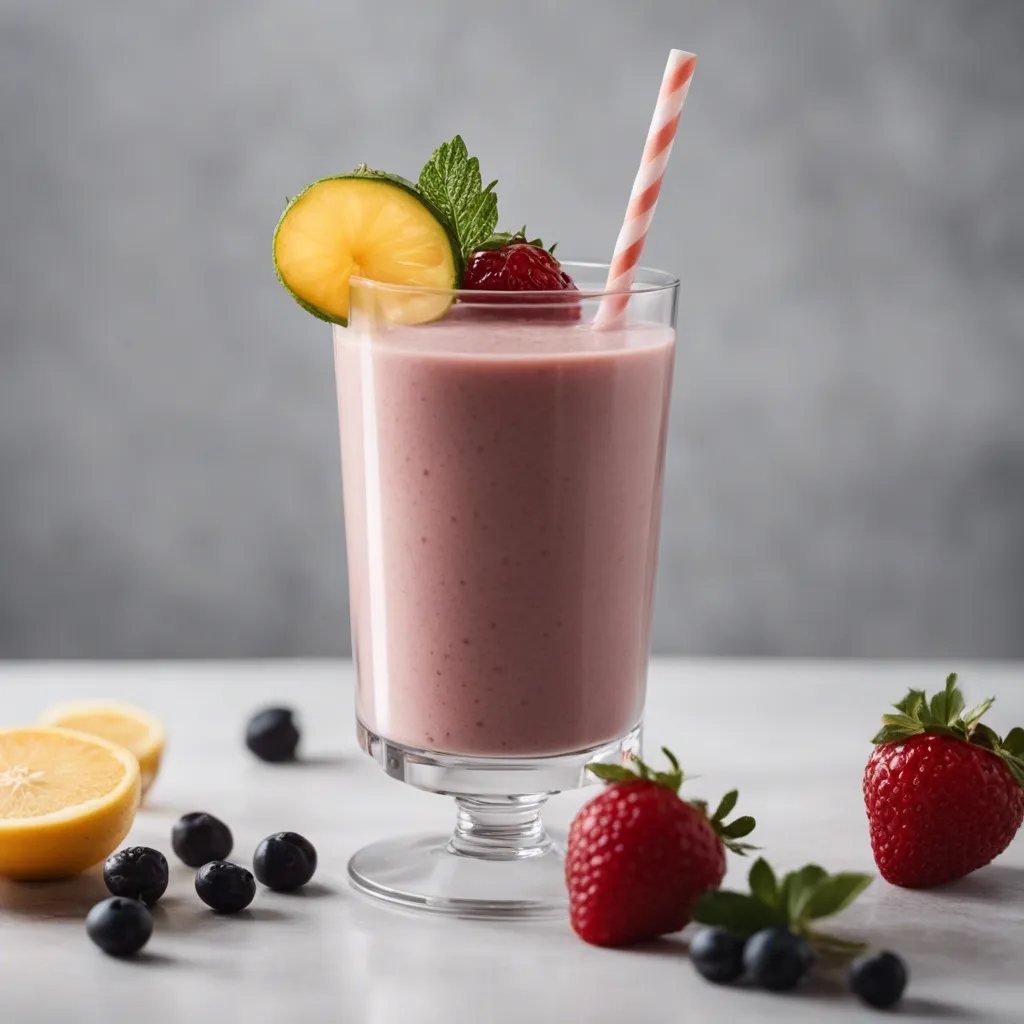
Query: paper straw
{"x": 644, "y": 197}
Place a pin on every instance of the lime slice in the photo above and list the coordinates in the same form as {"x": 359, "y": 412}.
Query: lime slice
{"x": 372, "y": 225}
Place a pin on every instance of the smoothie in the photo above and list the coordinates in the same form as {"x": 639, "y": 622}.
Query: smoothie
{"x": 502, "y": 486}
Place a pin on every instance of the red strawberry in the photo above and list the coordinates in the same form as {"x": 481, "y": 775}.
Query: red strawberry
{"x": 522, "y": 267}
{"x": 639, "y": 856}
{"x": 944, "y": 794}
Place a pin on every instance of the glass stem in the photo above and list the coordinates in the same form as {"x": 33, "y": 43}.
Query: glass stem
{"x": 500, "y": 827}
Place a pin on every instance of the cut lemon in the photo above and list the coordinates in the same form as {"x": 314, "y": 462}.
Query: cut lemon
{"x": 66, "y": 801}
{"x": 123, "y": 724}
{"x": 366, "y": 224}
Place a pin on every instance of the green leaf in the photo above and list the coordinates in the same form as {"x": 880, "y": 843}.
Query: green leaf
{"x": 797, "y": 888}
{"x": 911, "y": 704}
{"x": 742, "y": 849}
{"x": 739, "y": 828}
{"x": 947, "y": 705}
{"x": 1014, "y": 742}
{"x": 763, "y": 885}
{"x": 833, "y": 947}
{"x": 737, "y": 912}
{"x": 904, "y": 725}
{"x": 451, "y": 181}
{"x": 724, "y": 809}
{"x": 973, "y": 716}
{"x": 499, "y": 239}
{"x": 927, "y": 719}
{"x": 983, "y": 736}
{"x": 611, "y": 772}
{"x": 833, "y": 894}
{"x": 888, "y": 734}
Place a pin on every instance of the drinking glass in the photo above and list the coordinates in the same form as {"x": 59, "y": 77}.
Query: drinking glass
{"x": 502, "y": 465}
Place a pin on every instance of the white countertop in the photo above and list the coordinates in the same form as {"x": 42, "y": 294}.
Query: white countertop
{"x": 792, "y": 736}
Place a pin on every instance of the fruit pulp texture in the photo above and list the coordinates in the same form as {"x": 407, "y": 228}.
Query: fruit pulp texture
{"x": 502, "y": 488}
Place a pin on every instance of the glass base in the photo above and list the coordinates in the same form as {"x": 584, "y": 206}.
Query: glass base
{"x": 425, "y": 873}
{"x": 499, "y": 862}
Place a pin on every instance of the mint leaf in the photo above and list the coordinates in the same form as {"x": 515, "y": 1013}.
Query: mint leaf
{"x": 737, "y": 912}
{"x": 833, "y": 894}
{"x": 797, "y": 888}
{"x": 451, "y": 181}
{"x": 762, "y": 882}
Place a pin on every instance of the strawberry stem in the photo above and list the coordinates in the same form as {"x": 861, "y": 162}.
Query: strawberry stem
{"x": 943, "y": 716}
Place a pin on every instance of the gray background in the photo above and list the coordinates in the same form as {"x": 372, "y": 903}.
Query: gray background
{"x": 845, "y": 207}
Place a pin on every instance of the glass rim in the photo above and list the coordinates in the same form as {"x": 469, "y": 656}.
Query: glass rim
{"x": 648, "y": 281}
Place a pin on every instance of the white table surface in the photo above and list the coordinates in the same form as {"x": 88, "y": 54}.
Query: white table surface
{"x": 792, "y": 736}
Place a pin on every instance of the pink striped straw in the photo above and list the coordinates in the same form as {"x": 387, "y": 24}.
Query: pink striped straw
{"x": 644, "y": 197}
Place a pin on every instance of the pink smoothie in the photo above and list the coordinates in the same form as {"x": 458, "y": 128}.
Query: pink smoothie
{"x": 502, "y": 501}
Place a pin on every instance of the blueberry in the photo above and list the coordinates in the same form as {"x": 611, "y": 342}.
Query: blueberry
{"x": 198, "y": 838}
{"x": 226, "y": 887}
{"x": 137, "y": 872}
{"x": 879, "y": 979}
{"x": 717, "y": 955}
{"x": 776, "y": 959}
{"x": 272, "y": 734}
{"x": 119, "y": 926}
{"x": 284, "y": 861}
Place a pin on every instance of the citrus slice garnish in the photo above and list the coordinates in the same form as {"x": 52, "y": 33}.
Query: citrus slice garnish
{"x": 125, "y": 724}
{"x": 67, "y": 800}
{"x": 366, "y": 224}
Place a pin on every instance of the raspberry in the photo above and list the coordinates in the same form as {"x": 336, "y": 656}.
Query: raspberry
{"x": 522, "y": 268}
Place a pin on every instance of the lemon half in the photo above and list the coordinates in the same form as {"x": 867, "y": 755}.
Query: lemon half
{"x": 67, "y": 800}
{"x": 124, "y": 724}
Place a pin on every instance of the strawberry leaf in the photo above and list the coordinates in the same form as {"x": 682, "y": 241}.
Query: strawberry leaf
{"x": 834, "y": 893}
{"x": 911, "y": 704}
{"x": 737, "y": 912}
{"x": 1014, "y": 742}
{"x": 983, "y": 736}
{"x": 739, "y": 828}
{"x": 973, "y": 716}
{"x": 763, "y": 885}
{"x": 611, "y": 772}
{"x": 904, "y": 725}
{"x": 725, "y": 808}
{"x": 947, "y": 704}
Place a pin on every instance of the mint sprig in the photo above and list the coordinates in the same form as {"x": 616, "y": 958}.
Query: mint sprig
{"x": 794, "y": 902}
{"x": 729, "y": 832}
{"x": 451, "y": 180}
{"x": 943, "y": 715}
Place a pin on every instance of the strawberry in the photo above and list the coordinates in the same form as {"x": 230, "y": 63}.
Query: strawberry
{"x": 639, "y": 856}
{"x": 944, "y": 794}
{"x": 511, "y": 264}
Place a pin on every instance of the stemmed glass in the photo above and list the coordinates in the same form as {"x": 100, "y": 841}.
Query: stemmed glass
{"x": 502, "y": 462}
